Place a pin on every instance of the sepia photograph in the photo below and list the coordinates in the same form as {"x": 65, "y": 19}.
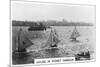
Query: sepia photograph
{"x": 49, "y": 33}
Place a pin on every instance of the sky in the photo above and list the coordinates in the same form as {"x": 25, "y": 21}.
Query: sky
{"x": 33, "y": 11}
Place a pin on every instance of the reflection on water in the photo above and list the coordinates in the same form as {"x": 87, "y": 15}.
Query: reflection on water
{"x": 52, "y": 52}
{"x": 29, "y": 57}
{"x": 21, "y": 59}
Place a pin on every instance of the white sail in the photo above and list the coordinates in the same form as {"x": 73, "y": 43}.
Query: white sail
{"x": 22, "y": 41}
{"x": 75, "y": 34}
{"x": 55, "y": 38}
{"x": 52, "y": 40}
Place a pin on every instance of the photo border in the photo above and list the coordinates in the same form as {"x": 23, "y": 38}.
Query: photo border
{"x": 10, "y": 21}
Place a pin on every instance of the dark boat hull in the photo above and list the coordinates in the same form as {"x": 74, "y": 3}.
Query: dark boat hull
{"x": 53, "y": 45}
{"x": 74, "y": 40}
{"x": 82, "y": 56}
{"x": 37, "y": 28}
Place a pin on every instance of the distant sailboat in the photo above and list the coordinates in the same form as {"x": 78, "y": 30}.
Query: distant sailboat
{"x": 53, "y": 40}
{"x": 74, "y": 35}
{"x": 22, "y": 42}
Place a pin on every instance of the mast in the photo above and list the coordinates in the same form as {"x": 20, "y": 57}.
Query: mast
{"x": 16, "y": 44}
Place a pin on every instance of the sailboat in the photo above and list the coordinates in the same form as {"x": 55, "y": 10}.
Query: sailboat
{"x": 74, "y": 35}
{"x": 22, "y": 42}
{"x": 53, "y": 40}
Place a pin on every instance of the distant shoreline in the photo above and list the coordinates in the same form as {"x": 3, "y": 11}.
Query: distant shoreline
{"x": 49, "y": 23}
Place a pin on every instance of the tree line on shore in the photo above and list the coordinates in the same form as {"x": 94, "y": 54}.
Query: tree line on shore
{"x": 49, "y": 23}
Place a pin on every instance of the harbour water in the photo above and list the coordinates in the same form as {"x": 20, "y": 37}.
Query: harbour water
{"x": 66, "y": 47}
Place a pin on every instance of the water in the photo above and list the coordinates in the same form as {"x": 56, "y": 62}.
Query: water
{"x": 67, "y": 48}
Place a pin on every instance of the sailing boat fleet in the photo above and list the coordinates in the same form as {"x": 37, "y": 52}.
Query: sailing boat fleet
{"x": 23, "y": 42}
